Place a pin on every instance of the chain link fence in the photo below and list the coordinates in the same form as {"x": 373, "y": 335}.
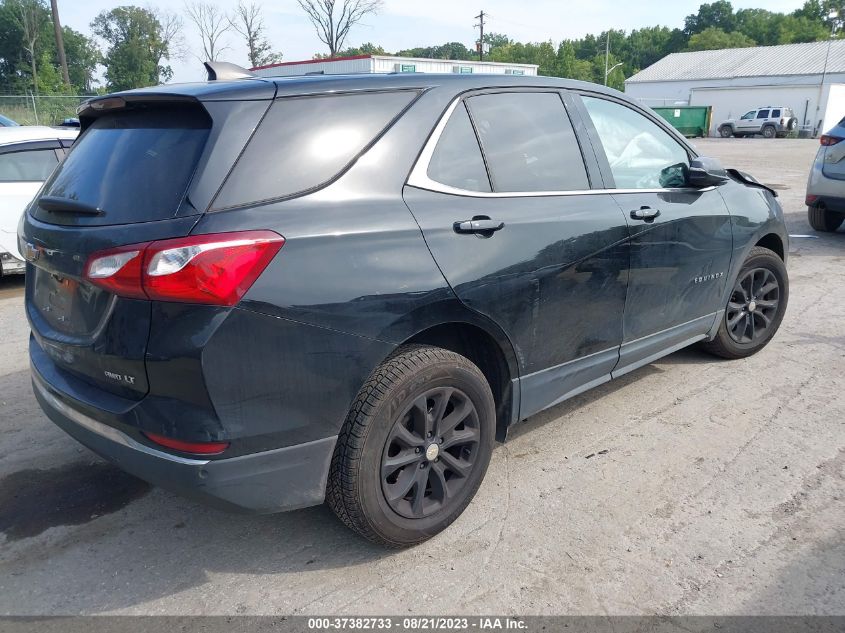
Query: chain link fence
{"x": 40, "y": 109}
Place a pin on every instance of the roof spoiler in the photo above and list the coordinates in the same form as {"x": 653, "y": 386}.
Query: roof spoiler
{"x": 222, "y": 71}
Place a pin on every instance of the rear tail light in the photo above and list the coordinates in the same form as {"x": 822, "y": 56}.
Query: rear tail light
{"x": 827, "y": 139}
{"x": 197, "y": 448}
{"x": 215, "y": 269}
{"x": 810, "y": 200}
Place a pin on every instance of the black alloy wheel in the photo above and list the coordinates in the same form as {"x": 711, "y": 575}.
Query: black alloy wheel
{"x": 430, "y": 452}
{"x": 414, "y": 448}
{"x": 755, "y": 308}
{"x": 753, "y": 305}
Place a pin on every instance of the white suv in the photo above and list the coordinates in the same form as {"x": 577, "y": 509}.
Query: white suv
{"x": 28, "y": 155}
{"x": 770, "y": 121}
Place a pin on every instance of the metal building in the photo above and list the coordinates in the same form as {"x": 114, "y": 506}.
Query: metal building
{"x": 809, "y": 78}
{"x": 390, "y": 64}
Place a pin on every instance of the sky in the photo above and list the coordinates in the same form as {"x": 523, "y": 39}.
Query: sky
{"x": 410, "y": 23}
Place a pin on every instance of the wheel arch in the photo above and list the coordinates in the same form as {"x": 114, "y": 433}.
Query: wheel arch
{"x": 491, "y": 351}
{"x": 773, "y": 242}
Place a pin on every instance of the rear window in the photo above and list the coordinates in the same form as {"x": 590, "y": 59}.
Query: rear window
{"x": 135, "y": 166}
{"x": 457, "y": 159}
{"x": 304, "y": 142}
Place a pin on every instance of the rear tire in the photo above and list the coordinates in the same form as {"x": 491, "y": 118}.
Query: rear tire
{"x": 769, "y": 132}
{"x": 399, "y": 473}
{"x": 755, "y": 308}
{"x": 824, "y": 220}
{"x": 725, "y": 131}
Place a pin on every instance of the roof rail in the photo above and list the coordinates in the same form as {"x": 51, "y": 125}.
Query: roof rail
{"x": 221, "y": 71}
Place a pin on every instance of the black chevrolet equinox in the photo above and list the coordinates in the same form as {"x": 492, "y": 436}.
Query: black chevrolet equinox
{"x": 267, "y": 293}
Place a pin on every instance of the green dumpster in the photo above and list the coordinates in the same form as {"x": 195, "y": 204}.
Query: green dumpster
{"x": 688, "y": 120}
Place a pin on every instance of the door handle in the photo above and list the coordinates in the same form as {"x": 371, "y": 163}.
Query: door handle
{"x": 479, "y": 225}
{"x": 645, "y": 213}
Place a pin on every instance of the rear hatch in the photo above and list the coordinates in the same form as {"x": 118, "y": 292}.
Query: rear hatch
{"x": 131, "y": 178}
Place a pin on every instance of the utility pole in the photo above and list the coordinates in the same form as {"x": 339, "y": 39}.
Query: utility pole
{"x": 480, "y": 25}
{"x": 606, "y": 56}
{"x": 60, "y": 44}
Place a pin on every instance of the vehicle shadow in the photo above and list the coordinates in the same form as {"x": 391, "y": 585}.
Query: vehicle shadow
{"x": 11, "y": 286}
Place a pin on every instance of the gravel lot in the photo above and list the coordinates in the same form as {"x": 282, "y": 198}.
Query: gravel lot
{"x": 721, "y": 491}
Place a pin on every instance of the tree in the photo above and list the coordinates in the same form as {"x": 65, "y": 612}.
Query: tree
{"x": 714, "y": 38}
{"x": 83, "y": 57}
{"x": 212, "y": 24}
{"x": 719, "y": 14}
{"x": 31, "y": 16}
{"x": 333, "y": 19}
{"x": 450, "y": 50}
{"x": 60, "y": 45}
{"x": 249, "y": 24}
{"x": 136, "y": 47}
{"x": 354, "y": 51}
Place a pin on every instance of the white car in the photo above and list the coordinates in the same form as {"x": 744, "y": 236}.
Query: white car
{"x": 28, "y": 155}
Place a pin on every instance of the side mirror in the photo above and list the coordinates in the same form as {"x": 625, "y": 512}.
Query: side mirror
{"x": 706, "y": 172}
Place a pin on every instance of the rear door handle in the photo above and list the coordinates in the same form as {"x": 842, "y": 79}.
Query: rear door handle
{"x": 645, "y": 213}
{"x": 479, "y": 225}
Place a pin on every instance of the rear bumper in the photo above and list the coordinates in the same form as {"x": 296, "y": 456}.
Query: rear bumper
{"x": 270, "y": 481}
{"x": 832, "y": 203}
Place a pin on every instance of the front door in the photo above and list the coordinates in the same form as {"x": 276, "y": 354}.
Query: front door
{"x": 681, "y": 238}
{"x": 521, "y": 239}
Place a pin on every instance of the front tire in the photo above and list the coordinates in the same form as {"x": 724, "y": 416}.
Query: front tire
{"x": 822, "y": 219}
{"x": 414, "y": 448}
{"x": 755, "y": 308}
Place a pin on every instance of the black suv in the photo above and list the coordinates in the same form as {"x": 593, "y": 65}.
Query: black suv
{"x": 269, "y": 292}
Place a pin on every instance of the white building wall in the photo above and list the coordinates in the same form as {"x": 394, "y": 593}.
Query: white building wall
{"x": 731, "y": 98}
{"x": 329, "y": 67}
{"x": 387, "y": 64}
{"x": 423, "y": 65}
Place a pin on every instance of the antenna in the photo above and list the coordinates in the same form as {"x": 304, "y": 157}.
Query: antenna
{"x": 480, "y": 17}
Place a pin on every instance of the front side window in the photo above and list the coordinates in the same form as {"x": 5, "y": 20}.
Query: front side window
{"x": 763, "y": 114}
{"x": 28, "y": 165}
{"x": 642, "y": 155}
{"x": 457, "y": 159}
{"x": 304, "y": 142}
{"x": 749, "y": 115}
{"x": 528, "y": 142}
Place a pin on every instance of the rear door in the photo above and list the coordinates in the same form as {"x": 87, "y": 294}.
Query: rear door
{"x": 504, "y": 195}
{"x": 124, "y": 182}
{"x": 23, "y": 168}
{"x": 681, "y": 238}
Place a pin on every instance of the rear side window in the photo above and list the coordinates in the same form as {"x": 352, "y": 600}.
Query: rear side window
{"x": 304, "y": 142}
{"x": 27, "y": 166}
{"x": 763, "y": 114}
{"x": 457, "y": 159}
{"x": 775, "y": 114}
{"x": 135, "y": 165}
{"x": 528, "y": 142}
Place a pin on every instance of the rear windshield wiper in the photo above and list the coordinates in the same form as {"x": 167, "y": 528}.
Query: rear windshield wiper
{"x": 66, "y": 205}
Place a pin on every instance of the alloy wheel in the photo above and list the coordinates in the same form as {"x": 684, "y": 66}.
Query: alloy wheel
{"x": 430, "y": 453}
{"x": 753, "y": 306}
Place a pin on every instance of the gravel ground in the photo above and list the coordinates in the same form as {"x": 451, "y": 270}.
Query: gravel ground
{"x": 721, "y": 492}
